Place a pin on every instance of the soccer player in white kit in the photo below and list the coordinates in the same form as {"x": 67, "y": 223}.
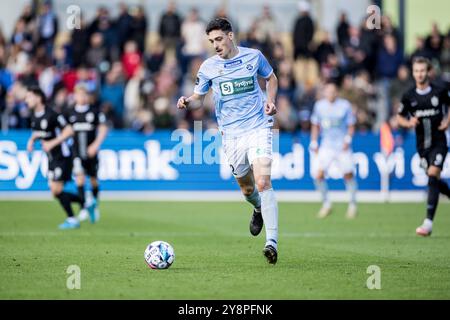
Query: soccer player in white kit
{"x": 333, "y": 119}
{"x": 244, "y": 115}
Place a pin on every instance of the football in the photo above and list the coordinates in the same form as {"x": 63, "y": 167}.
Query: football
{"x": 159, "y": 255}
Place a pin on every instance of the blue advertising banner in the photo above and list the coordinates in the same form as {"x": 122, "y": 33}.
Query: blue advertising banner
{"x": 179, "y": 160}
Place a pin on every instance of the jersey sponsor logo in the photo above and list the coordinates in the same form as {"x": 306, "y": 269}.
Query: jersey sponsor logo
{"x": 435, "y": 101}
{"x": 237, "y": 86}
{"x": 438, "y": 160}
{"x": 426, "y": 113}
{"x": 44, "y": 124}
{"x": 83, "y": 126}
{"x": 232, "y": 64}
{"x": 42, "y": 134}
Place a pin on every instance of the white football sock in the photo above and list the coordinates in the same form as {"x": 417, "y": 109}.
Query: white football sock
{"x": 322, "y": 186}
{"x": 427, "y": 223}
{"x": 72, "y": 220}
{"x": 254, "y": 199}
{"x": 269, "y": 209}
{"x": 351, "y": 187}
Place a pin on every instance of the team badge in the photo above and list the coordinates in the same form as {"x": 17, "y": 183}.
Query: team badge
{"x": 249, "y": 67}
{"x": 72, "y": 118}
{"x": 438, "y": 160}
{"x": 434, "y": 101}
{"x": 44, "y": 124}
{"x": 90, "y": 117}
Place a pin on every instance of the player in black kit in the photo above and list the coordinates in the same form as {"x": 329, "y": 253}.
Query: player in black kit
{"x": 90, "y": 130}
{"x": 52, "y": 129}
{"x": 425, "y": 108}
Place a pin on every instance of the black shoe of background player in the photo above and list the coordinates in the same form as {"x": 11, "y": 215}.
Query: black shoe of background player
{"x": 256, "y": 223}
{"x": 271, "y": 254}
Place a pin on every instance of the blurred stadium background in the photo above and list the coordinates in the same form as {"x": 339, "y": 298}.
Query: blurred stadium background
{"x": 138, "y": 57}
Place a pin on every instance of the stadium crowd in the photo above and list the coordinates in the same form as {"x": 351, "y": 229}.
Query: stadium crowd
{"x": 136, "y": 82}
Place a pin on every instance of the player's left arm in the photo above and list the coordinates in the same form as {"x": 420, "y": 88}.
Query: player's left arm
{"x": 66, "y": 133}
{"x": 271, "y": 89}
{"x": 93, "y": 148}
{"x": 349, "y": 137}
{"x": 350, "y": 120}
{"x": 102, "y": 132}
{"x": 265, "y": 70}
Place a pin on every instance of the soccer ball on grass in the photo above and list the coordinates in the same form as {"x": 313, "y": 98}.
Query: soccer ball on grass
{"x": 159, "y": 255}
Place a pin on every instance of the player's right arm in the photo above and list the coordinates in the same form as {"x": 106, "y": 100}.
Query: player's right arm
{"x": 403, "y": 117}
{"x": 315, "y": 130}
{"x": 202, "y": 85}
{"x": 183, "y": 102}
{"x": 31, "y": 141}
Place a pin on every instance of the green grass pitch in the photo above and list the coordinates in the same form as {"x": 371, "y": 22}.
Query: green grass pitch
{"x": 217, "y": 258}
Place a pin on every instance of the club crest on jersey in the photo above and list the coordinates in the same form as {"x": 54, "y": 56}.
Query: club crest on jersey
{"x": 435, "y": 101}
{"x": 90, "y": 117}
{"x": 72, "y": 118}
{"x": 249, "y": 67}
{"x": 232, "y": 64}
{"x": 44, "y": 124}
{"x": 414, "y": 104}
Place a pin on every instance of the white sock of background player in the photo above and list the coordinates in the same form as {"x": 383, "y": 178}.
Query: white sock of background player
{"x": 322, "y": 186}
{"x": 351, "y": 186}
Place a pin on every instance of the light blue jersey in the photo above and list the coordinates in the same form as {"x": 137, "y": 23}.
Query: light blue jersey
{"x": 333, "y": 119}
{"x": 238, "y": 99}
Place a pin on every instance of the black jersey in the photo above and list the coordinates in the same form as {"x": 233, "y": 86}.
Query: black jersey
{"x": 47, "y": 126}
{"x": 85, "y": 121}
{"x": 429, "y": 107}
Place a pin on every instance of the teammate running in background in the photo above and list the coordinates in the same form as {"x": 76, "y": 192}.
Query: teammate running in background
{"x": 244, "y": 115}
{"x": 52, "y": 129}
{"x": 90, "y": 130}
{"x": 333, "y": 119}
{"x": 425, "y": 108}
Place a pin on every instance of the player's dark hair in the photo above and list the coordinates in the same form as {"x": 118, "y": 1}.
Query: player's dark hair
{"x": 422, "y": 60}
{"x": 219, "y": 24}
{"x": 38, "y": 92}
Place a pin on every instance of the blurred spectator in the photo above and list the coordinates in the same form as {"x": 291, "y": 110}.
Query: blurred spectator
{"x": 303, "y": 31}
{"x": 97, "y": 56}
{"x": 445, "y": 59}
{"x": 390, "y": 57}
{"x": 21, "y": 37}
{"x": 112, "y": 94}
{"x": 48, "y": 27}
{"x": 434, "y": 41}
{"x": 193, "y": 34}
{"x": 267, "y": 27}
{"x": 131, "y": 59}
{"x": 138, "y": 28}
{"x": 286, "y": 118}
{"x": 123, "y": 25}
{"x": 170, "y": 27}
{"x": 324, "y": 49}
{"x": 342, "y": 29}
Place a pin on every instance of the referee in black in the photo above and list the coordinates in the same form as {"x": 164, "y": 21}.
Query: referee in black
{"x": 425, "y": 108}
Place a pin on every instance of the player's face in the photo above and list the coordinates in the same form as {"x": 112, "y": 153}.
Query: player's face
{"x": 81, "y": 97}
{"x": 420, "y": 73}
{"x": 330, "y": 92}
{"x": 222, "y": 42}
{"x": 31, "y": 100}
